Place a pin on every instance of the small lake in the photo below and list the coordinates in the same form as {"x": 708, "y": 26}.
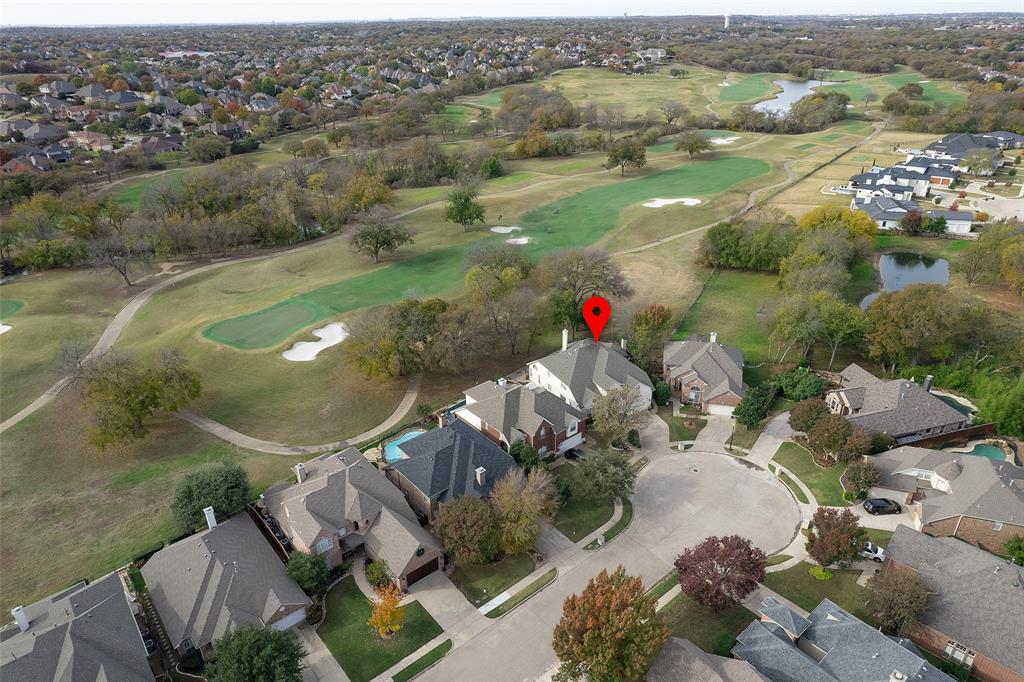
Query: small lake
{"x": 791, "y": 92}
{"x": 901, "y": 268}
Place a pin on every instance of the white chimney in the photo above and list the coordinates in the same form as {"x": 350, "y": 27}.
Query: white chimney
{"x": 622, "y": 342}
{"x": 928, "y": 383}
{"x": 502, "y": 382}
{"x": 20, "y": 618}
{"x": 300, "y": 472}
{"x": 211, "y": 518}
{"x": 481, "y": 476}
{"x": 897, "y": 676}
{"x": 565, "y": 339}
{"x": 714, "y": 337}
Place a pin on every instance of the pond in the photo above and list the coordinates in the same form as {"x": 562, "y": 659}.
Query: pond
{"x": 791, "y": 92}
{"x": 902, "y": 268}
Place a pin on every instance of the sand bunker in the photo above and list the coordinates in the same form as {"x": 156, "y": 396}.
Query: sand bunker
{"x": 4, "y": 328}
{"x": 658, "y": 203}
{"x": 518, "y": 240}
{"x": 306, "y": 351}
{"x": 722, "y": 140}
{"x": 506, "y": 229}
{"x": 724, "y": 85}
{"x": 924, "y": 81}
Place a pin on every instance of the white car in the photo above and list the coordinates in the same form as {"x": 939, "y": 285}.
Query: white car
{"x": 872, "y": 551}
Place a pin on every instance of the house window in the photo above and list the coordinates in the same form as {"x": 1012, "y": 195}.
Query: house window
{"x": 324, "y": 545}
{"x": 960, "y": 653}
{"x": 573, "y": 428}
{"x": 997, "y": 525}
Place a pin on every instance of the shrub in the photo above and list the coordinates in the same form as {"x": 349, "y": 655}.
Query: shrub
{"x": 857, "y": 445}
{"x": 880, "y": 442}
{"x": 799, "y": 384}
{"x": 309, "y": 571}
{"x": 524, "y": 454}
{"x": 755, "y": 405}
{"x": 377, "y": 574}
{"x": 634, "y": 438}
{"x": 820, "y": 573}
{"x": 862, "y": 475}
{"x": 723, "y": 645}
{"x": 806, "y": 413}
{"x": 662, "y": 393}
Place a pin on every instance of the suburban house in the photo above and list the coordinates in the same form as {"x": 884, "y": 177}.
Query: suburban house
{"x": 975, "y": 611}
{"x": 829, "y": 645}
{"x": 90, "y": 141}
{"x": 913, "y": 178}
{"x": 588, "y": 368}
{"x": 955, "y": 146}
{"x": 224, "y": 577}
{"x": 901, "y": 408}
{"x": 887, "y": 213}
{"x": 705, "y": 373}
{"x": 85, "y": 633}
{"x": 509, "y": 413}
{"x": 445, "y": 464}
{"x": 953, "y": 494}
{"x": 341, "y": 502}
{"x": 681, "y": 661}
{"x": 1006, "y": 140}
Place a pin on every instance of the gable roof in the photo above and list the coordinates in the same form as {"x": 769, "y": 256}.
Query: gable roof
{"x": 86, "y": 633}
{"x": 217, "y": 579}
{"x": 590, "y": 368}
{"x": 976, "y": 598}
{"x": 718, "y": 366}
{"x": 442, "y": 462}
{"x": 680, "y": 660}
{"x": 512, "y": 407}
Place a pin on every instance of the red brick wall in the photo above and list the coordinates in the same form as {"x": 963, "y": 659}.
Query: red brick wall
{"x": 978, "y": 532}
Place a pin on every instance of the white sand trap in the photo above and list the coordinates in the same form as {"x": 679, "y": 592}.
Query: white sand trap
{"x": 924, "y": 81}
{"x": 518, "y": 240}
{"x": 306, "y": 351}
{"x": 722, "y": 140}
{"x": 724, "y": 85}
{"x": 506, "y": 229}
{"x": 658, "y": 203}
{"x": 4, "y": 327}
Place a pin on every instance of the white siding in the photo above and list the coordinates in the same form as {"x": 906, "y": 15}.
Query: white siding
{"x": 290, "y": 621}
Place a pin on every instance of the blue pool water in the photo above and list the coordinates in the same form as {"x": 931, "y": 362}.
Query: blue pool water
{"x": 391, "y": 451}
{"x": 986, "y": 450}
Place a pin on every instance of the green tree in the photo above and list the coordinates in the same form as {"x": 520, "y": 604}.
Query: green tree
{"x": 207, "y": 148}
{"x": 863, "y": 475}
{"x": 246, "y": 654}
{"x": 840, "y": 323}
{"x": 1015, "y": 549}
{"x": 462, "y": 207}
{"x": 629, "y": 151}
{"x": 523, "y": 504}
{"x": 806, "y": 413}
{"x": 834, "y": 537}
{"x": 649, "y": 329}
{"x": 609, "y": 632}
{"x": 364, "y": 191}
{"x": 754, "y": 405}
{"x": 377, "y": 234}
{"x": 603, "y": 477}
{"x": 799, "y": 383}
{"x": 898, "y": 598}
{"x": 616, "y": 413}
{"x": 828, "y": 435}
{"x": 222, "y": 485}
{"x": 693, "y": 143}
{"x": 918, "y": 322}
{"x": 187, "y": 96}
{"x": 309, "y": 571}
{"x": 525, "y": 455}
{"x": 469, "y": 530}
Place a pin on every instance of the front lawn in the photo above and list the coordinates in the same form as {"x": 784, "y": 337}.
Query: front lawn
{"x": 481, "y": 583}
{"x": 712, "y": 632}
{"x": 358, "y": 648}
{"x": 823, "y": 483}
{"x": 681, "y": 428}
{"x": 579, "y": 517}
{"x": 806, "y": 591}
{"x": 619, "y": 526}
{"x": 524, "y": 594}
{"x": 879, "y": 537}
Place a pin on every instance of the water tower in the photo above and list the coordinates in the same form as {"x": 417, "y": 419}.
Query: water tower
{"x": 726, "y": 22}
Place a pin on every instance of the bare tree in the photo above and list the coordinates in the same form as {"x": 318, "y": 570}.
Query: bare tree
{"x": 118, "y": 252}
{"x": 672, "y": 111}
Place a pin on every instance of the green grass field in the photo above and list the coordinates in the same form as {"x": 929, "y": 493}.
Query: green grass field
{"x": 823, "y": 483}
{"x": 806, "y": 591}
{"x": 749, "y": 87}
{"x": 483, "y": 582}
{"x": 9, "y": 306}
{"x": 690, "y": 620}
{"x": 579, "y": 517}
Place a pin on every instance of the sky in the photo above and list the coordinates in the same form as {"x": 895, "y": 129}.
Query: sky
{"x": 91, "y": 12}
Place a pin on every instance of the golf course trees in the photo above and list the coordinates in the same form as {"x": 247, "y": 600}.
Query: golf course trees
{"x": 856, "y": 223}
{"x": 524, "y": 504}
{"x": 898, "y": 597}
{"x": 395, "y": 340}
{"x": 245, "y": 654}
{"x": 582, "y": 273}
{"x": 693, "y": 143}
{"x": 468, "y": 528}
{"x": 720, "y": 572}
{"x": 364, "y": 191}
{"x": 628, "y": 151}
{"x": 834, "y": 537}
{"x": 609, "y": 632}
{"x": 672, "y": 111}
{"x": 222, "y": 485}
{"x": 916, "y": 323}
{"x": 840, "y": 323}
{"x": 616, "y": 413}
{"x": 462, "y": 207}
{"x": 604, "y": 477}
{"x": 377, "y": 234}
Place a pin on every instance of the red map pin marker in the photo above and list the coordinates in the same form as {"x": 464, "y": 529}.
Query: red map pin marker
{"x": 596, "y": 312}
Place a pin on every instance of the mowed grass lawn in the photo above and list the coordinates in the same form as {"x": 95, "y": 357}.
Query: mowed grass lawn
{"x": 483, "y": 582}
{"x": 579, "y": 517}
{"x": 748, "y": 87}
{"x": 690, "y": 620}
{"x": 685, "y": 427}
{"x": 578, "y": 220}
{"x": 823, "y": 483}
{"x": 358, "y": 648}
{"x": 800, "y": 587}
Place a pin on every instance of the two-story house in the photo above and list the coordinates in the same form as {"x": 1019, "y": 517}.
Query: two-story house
{"x": 705, "y": 373}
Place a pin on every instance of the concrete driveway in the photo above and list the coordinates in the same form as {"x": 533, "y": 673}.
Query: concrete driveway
{"x": 321, "y": 666}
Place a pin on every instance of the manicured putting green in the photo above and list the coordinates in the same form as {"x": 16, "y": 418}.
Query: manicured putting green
{"x": 579, "y": 220}
{"x": 9, "y": 306}
{"x": 832, "y": 136}
{"x": 750, "y": 87}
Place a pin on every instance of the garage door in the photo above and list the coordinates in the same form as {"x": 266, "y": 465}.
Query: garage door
{"x": 421, "y": 572}
{"x": 720, "y": 409}
{"x": 290, "y": 621}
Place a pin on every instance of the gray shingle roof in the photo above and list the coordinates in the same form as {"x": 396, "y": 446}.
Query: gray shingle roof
{"x": 854, "y": 651}
{"x": 84, "y": 634}
{"x": 516, "y": 407}
{"x": 442, "y": 462}
{"x": 681, "y": 661}
{"x": 720, "y": 367}
{"x": 897, "y": 407}
{"x": 217, "y": 579}
{"x": 586, "y": 366}
{"x": 977, "y": 598}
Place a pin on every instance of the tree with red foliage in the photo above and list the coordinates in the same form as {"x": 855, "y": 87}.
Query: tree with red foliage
{"x": 834, "y": 537}
{"x": 609, "y": 632}
{"x": 720, "y": 571}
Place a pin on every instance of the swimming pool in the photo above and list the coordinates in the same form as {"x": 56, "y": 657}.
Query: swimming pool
{"x": 955, "y": 404}
{"x": 391, "y": 451}
{"x": 986, "y": 450}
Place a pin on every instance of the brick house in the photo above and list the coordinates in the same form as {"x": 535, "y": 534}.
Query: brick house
{"x": 445, "y": 464}
{"x": 953, "y": 494}
{"x": 510, "y": 413}
{"x": 340, "y": 503}
{"x": 975, "y": 612}
{"x": 705, "y": 373}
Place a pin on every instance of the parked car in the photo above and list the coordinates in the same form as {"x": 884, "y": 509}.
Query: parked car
{"x": 573, "y": 454}
{"x": 881, "y": 505}
{"x": 872, "y": 551}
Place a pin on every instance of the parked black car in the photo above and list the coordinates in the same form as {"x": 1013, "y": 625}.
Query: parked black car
{"x": 880, "y": 505}
{"x": 573, "y": 454}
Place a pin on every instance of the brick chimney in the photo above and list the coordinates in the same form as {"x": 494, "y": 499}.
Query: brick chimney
{"x": 211, "y": 518}
{"x": 300, "y": 472}
{"x": 20, "y": 618}
{"x": 481, "y": 476}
